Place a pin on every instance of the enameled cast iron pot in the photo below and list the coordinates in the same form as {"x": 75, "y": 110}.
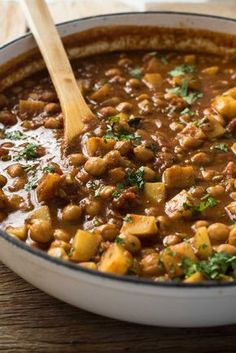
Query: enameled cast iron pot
{"x": 125, "y": 298}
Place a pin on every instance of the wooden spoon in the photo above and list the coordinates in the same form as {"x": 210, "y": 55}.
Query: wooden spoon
{"x": 74, "y": 107}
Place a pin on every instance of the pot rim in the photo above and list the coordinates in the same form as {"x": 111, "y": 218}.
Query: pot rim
{"x": 71, "y": 266}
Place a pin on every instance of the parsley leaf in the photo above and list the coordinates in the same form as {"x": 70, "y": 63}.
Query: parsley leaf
{"x": 136, "y": 72}
{"x": 15, "y": 135}
{"x": 206, "y": 201}
{"x": 135, "y": 178}
{"x": 127, "y": 219}
{"x": 182, "y": 91}
{"x": 28, "y": 152}
{"x": 186, "y": 111}
{"x": 221, "y": 147}
{"x": 182, "y": 70}
{"x": 32, "y": 184}
{"x": 49, "y": 169}
{"x": 121, "y": 135}
{"x": 119, "y": 241}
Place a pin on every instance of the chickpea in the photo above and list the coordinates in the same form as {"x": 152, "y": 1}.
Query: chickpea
{"x": 93, "y": 207}
{"x": 95, "y": 166}
{"x": 113, "y": 72}
{"x": 117, "y": 174}
{"x": 216, "y": 191}
{"x": 218, "y": 233}
{"x": 49, "y": 96}
{"x": 124, "y": 147}
{"x": 15, "y": 202}
{"x": 76, "y": 159}
{"x": 150, "y": 265}
{"x": 134, "y": 83}
{"x": 107, "y": 192}
{"x": 124, "y": 107}
{"x": 3, "y": 181}
{"x": 71, "y": 213}
{"x": 232, "y": 237}
{"x": 52, "y": 123}
{"x": 143, "y": 154}
{"x": 108, "y": 231}
{"x": 112, "y": 158}
{"x": 7, "y": 118}
{"x": 149, "y": 174}
{"x": 201, "y": 158}
{"x": 176, "y": 126}
{"x": 200, "y": 223}
{"x": 198, "y": 191}
{"x": 60, "y": 244}
{"x": 60, "y": 234}
{"x": 108, "y": 111}
{"x": 52, "y": 108}
{"x": 233, "y": 195}
{"x": 40, "y": 230}
{"x": 59, "y": 253}
{"x": 15, "y": 170}
{"x": 227, "y": 248}
{"x": 18, "y": 184}
{"x": 130, "y": 243}
{"x": 125, "y": 62}
{"x": 145, "y": 107}
{"x": 171, "y": 240}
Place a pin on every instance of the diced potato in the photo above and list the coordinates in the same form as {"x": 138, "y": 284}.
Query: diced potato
{"x": 226, "y": 106}
{"x": 31, "y": 108}
{"x": 47, "y": 187}
{"x": 85, "y": 245}
{"x": 154, "y": 192}
{"x": 89, "y": 265}
{"x": 178, "y": 177}
{"x": 215, "y": 128}
{"x": 175, "y": 207}
{"x": 173, "y": 256}
{"x": 233, "y": 148}
{"x": 231, "y": 210}
{"x": 41, "y": 213}
{"x": 194, "y": 278}
{"x": 191, "y": 136}
{"x": 101, "y": 93}
{"x": 18, "y": 232}
{"x": 202, "y": 243}
{"x": 97, "y": 146}
{"x": 212, "y": 70}
{"x": 153, "y": 81}
{"x": 141, "y": 226}
{"x": 115, "y": 260}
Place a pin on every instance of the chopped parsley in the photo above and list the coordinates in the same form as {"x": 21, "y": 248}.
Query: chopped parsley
{"x": 98, "y": 190}
{"x": 32, "y": 184}
{"x": 127, "y": 219}
{"x": 182, "y": 70}
{"x": 49, "y": 169}
{"x": 206, "y": 201}
{"x": 182, "y": 91}
{"x": 28, "y": 152}
{"x": 186, "y": 111}
{"x": 135, "y": 178}
{"x": 217, "y": 265}
{"x": 119, "y": 241}
{"x": 136, "y": 72}
{"x": 113, "y": 119}
{"x": 15, "y": 135}
{"x": 121, "y": 135}
{"x": 221, "y": 147}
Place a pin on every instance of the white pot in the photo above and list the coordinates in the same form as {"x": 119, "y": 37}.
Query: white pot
{"x": 134, "y": 300}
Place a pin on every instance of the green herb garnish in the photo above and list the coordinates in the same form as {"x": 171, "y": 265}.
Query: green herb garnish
{"x": 186, "y": 111}
{"x": 182, "y": 91}
{"x": 206, "y": 201}
{"x": 127, "y": 219}
{"x": 182, "y": 70}
{"x": 28, "y": 152}
{"x": 15, "y": 135}
{"x": 49, "y": 169}
{"x": 221, "y": 147}
{"x": 136, "y": 72}
{"x": 119, "y": 241}
{"x": 32, "y": 184}
{"x": 121, "y": 135}
{"x": 135, "y": 178}
{"x": 113, "y": 119}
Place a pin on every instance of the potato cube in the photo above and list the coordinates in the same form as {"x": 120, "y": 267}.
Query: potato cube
{"x": 154, "y": 192}
{"x": 231, "y": 210}
{"x": 191, "y": 136}
{"x": 115, "y": 260}
{"x": 141, "y": 226}
{"x": 214, "y": 128}
{"x": 41, "y": 213}
{"x": 202, "y": 243}
{"x": 175, "y": 208}
{"x": 153, "y": 81}
{"x": 173, "y": 256}
{"x": 194, "y": 278}
{"x": 85, "y": 245}
{"x": 18, "y": 232}
{"x": 97, "y": 146}
{"x": 178, "y": 177}
{"x": 101, "y": 93}
{"x": 233, "y": 148}
{"x": 47, "y": 187}
{"x": 226, "y": 106}
{"x": 31, "y": 107}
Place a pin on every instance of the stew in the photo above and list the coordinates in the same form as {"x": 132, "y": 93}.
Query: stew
{"x": 151, "y": 191}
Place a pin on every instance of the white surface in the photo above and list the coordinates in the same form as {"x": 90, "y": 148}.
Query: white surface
{"x": 142, "y": 303}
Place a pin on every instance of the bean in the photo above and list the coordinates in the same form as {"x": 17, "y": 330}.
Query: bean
{"x": 93, "y": 207}
{"x": 171, "y": 240}
{"x": 108, "y": 231}
{"x": 76, "y": 159}
{"x": 40, "y": 230}
{"x": 3, "y": 181}
{"x": 52, "y": 123}
{"x": 149, "y": 174}
{"x": 124, "y": 107}
{"x": 107, "y": 111}
{"x": 61, "y": 234}
{"x": 143, "y": 154}
{"x": 7, "y": 118}
{"x": 232, "y": 237}
{"x": 71, "y": 213}
{"x": 227, "y": 248}
{"x": 200, "y": 223}
{"x": 216, "y": 190}
{"x": 52, "y": 108}
{"x": 112, "y": 158}
{"x": 95, "y": 166}
{"x": 130, "y": 242}
{"x": 117, "y": 174}
{"x": 150, "y": 265}
{"x": 201, "y": 158}
{"x": 58, "y": 252}
{"x": 15, "y": 170}
{"x": 60, "y": 244}
{"x": 107, "y": 191}
{"x": 218, "y": 232}
{"x": 124, "y": 147}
